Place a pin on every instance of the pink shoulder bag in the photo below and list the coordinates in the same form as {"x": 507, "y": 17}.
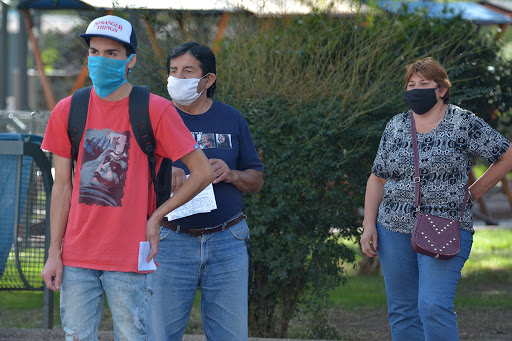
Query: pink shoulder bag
{"x": 432, "y": 235}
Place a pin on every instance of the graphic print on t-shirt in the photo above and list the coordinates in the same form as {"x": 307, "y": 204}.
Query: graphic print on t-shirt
{"x": 104, "y": 165}
{"x": 224, "y": 141}
{"x": 212, "y": 140}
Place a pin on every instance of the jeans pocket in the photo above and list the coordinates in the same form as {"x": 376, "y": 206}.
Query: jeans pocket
{"x": 466, "y": 243}
{"x": 240, "y": 231}
{"x": 164, "y": 232}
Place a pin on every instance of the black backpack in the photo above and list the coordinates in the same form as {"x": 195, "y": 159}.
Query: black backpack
{"x": 142, "y": 130}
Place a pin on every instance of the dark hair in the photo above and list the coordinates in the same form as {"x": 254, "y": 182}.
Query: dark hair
{"x": 431, "y": 69}
{"x": 227, "y": 140}
{"x": 128, "y": 48}
{"x": 202, "y": 53}
{"x": 209, "y": 137}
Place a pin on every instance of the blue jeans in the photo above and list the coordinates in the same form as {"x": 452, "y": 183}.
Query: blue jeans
{"x": 81, "y": 303}
{"x": 218, "y": 264}
{"x": 420, "y": 289}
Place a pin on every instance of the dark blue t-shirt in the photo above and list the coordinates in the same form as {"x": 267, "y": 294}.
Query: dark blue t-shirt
{"x": 222, "y": 133}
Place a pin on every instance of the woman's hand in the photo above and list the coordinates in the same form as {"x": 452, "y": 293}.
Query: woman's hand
{"x": 372, "y": 200}
{"x": 369, "y": 240}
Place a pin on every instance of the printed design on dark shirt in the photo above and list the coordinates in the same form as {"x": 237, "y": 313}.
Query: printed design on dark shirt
{"x": 212, "y": 140}
{"x": 104, "y": 166}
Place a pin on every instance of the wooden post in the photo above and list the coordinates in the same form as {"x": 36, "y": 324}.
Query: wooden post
{"x": 21, "y": 91}
{"x": 45, "y": 83}
{"x": 503, "y": 28}
{"x": 152, "y": 40}
{"x": 224, "y": 19}
{"x": 4, "y": 56}
{"x": 181, "y": 24}
{"x": 80, "y": 80}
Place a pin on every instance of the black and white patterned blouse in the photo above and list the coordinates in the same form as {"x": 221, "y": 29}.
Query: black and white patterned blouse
{"x": 446, "y": 154}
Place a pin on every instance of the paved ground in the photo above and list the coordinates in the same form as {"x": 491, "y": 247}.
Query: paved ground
{"x": 499, "y": 211}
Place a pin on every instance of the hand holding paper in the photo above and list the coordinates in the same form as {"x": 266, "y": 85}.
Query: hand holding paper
{"x": 144, "y": 250}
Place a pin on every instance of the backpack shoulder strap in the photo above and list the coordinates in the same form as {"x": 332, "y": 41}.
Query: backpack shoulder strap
{"x": 163, "y": 182}
{"x": 78, "y": 118}
{"x": 141, "y": 125}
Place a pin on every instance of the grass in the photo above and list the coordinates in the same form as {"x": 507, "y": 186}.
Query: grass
{"x": 485, "y": 286}
{"x": 487, "y": 276}
{"x": 23, "y": 309}
{"x": 361, "y": 290}
{"x": 483, "y": 299}
{"x": 491, "y": 254}
{"x": 19, "y": 300}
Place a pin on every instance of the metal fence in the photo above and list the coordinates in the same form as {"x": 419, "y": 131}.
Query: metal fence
{"x": 24, "y": 122}
{"x": 25, "y": 190}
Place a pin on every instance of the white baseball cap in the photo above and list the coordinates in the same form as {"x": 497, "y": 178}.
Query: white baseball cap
{"x": 112, "y": 27}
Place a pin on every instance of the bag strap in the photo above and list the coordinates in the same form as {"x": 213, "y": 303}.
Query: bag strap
{"x": 78, "y": 118}
{"x": 417, "y": 184}
{"x": 141, "y": 125}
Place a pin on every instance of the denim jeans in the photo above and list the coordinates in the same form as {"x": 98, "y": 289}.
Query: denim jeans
{"x": 420, "y": 289}
{"x": 81, "y": 303}
{"x": 218, "y": 264}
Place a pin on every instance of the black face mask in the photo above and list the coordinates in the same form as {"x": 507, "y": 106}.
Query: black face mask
{"x": 421, "y": 100}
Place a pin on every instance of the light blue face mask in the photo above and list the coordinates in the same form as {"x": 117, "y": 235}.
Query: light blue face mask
{"x": 107, "y": 74}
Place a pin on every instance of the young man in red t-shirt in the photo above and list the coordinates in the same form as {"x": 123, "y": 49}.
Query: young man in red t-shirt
{"x": 99, "y": 217}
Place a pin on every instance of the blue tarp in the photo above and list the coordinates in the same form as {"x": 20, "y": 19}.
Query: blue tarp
{"x": 470, "y": 11}
{"x": 53, "y": 4}
{"x": 8, "y": 174}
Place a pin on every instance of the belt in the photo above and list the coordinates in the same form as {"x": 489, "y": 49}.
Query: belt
{"x": 199, "y": 232}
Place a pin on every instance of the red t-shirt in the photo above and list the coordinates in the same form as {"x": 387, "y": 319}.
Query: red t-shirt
{"x": 112, "y": 190}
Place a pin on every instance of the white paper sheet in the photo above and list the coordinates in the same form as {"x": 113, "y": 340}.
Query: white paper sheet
{"x": 144, "y": 251}
{"x": 202, "y": 203}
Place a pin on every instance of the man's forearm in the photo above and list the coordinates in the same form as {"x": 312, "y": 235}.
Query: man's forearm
{"x": 247, "y": 181}
{"x": 59, "y": 211}
{"x": 194, "y": 184}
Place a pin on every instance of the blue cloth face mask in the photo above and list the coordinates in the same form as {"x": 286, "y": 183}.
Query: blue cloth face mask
{"x": 107, "y": 74}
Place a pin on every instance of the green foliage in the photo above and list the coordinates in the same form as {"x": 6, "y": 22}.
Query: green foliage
{"x": 49, "y": 56}
{"x": 64, "y": 51}
{"x": 157, "y": 34}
